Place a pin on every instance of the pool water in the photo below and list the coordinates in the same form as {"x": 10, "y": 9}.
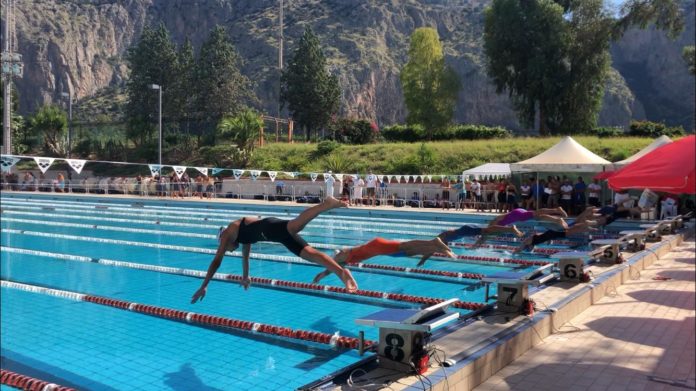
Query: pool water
{"x": 96, "y": 347}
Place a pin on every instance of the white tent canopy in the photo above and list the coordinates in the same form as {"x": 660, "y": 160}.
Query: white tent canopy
{"x": 658, "y": 142}
{"x": 489, "y": 169}
{"x": 566, "y": 156}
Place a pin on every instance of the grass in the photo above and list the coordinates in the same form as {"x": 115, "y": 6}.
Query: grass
{"x": 449, "y": 157}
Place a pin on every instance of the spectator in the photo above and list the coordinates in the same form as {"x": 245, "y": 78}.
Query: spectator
{"x": 371, "y": 187}
{"x": 329, "y": 182}
{"x": 359, "y": 184}
{"x": 414, "y": 202}
{"x": 594, "y": 191}
{"x": 579, "y": 199}
{"x": 446, "y": 186}
{"x": 510, "y": 197}
{"x": 476, "y": 191}
{"x": 567, "y": 196}
{"x": 279, "y": 187}
{"x": 209, "y": 183}
{"x": 526, "y": 194}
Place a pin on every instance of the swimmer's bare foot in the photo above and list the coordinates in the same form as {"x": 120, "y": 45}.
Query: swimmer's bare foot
{"x": 348, "y": 280}
{"x": 443, "y": 248}
{"x": 332, "y": 203}
{"x": 341, "y": 256}
{"x": 517, "y": 231}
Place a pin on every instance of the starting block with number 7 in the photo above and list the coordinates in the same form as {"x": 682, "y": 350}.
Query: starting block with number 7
{"x": 513, "y": 287}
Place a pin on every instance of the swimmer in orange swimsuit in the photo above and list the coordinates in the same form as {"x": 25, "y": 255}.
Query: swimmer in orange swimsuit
{"x": 381, "y": 246}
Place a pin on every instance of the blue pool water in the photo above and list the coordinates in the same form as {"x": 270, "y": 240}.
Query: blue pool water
{"x": 90, "y": 346}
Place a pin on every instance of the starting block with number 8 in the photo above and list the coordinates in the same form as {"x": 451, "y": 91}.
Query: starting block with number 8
{"x": 403, "y": 332}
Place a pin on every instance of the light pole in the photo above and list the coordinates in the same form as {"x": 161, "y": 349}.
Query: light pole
{"x": 159, "y": 88}
{"x": 69, "y": 96}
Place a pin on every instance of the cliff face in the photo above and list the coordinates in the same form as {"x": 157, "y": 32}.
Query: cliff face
{"x": 80, "y": 44}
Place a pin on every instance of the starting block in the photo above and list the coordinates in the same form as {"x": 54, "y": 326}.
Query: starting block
{"x": 572, "y": 264}
{"x": 513, "y": 287}
{"x": 635, "y": 240}
{"x": 661, "y": 228}
{"x": 403, "y": 332}
{"x": 610, "y": 249}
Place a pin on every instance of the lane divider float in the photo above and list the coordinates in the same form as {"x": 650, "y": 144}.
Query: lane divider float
{"x": 24, "y": 382}
{"x": 196, "y": 318}
{"x": 267, "y": 282}
{"x": 259, "y": 256}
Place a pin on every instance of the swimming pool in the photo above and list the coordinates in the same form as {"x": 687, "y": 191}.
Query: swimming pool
{"x": 119, "y": 252}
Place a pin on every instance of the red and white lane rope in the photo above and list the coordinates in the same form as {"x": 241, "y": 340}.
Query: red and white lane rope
{"x": 492, "y": 260}
{"x": 268, "y": 282}
{"x": 23, "y": 382}
{"x": 196, "y": 318}
{"x": 268, "y": 257}
{"x": 547, "y": 251}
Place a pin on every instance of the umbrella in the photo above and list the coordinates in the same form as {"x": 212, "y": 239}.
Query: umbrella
{"x": 604, "y": 175}
{"x": 669, "y": 168}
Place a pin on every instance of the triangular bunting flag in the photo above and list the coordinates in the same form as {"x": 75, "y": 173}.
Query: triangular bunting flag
{"x": 237, "y": 173}
{"x": 155, "y": 169}
{"x": 254, "y": 174}
{"x": 290, "y": 174}
{"x": 430, "y": 178}
{"x": 203, "y": 170}
{"x": 217, "y": 170}
{"x": 400, "y": 178}
{"x": 179, "y": 170}
{"x": 44, "y": 163}
{"x": 7, "y": 162}
{"x": 272, "y": 175}
{"x": 314, "y": 176}
{"x": 76, "y": 164}
{"x": 339, "y": 177}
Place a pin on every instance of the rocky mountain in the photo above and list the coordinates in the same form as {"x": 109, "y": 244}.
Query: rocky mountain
{"x": 80, "y": 45}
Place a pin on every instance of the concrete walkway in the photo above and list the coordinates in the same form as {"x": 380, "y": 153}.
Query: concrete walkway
{"x": 640, "y": 338}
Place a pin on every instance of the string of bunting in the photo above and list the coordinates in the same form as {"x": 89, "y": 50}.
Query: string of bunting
{"x": 44, "y": 163}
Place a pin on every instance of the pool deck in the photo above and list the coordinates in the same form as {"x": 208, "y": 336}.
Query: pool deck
{"x": 644, "y": 331}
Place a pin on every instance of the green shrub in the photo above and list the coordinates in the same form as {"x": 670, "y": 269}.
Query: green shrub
{"x": 404, "y": 133}
{"x": 479, "y": 132}
{"x": 606, "y": 131}
{"x": 654, "y": 129}
{"x": 353, "y": 131}
{"x": 326, "y": 147}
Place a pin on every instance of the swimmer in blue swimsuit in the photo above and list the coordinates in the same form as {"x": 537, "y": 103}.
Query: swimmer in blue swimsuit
{"x": 249, "y": 230}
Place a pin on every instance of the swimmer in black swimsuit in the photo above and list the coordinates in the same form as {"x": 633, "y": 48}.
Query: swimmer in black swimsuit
{"x": 552, "y": 234}
{"x": 249, "y": 230}
{"x": 472, "y": 230}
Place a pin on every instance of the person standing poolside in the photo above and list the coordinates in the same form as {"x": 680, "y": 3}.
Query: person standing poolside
{"x": 329, "y": 182}
{"x": 520, "y": 215}
{"x": 358, "y": 185}
{"x": 594, "y": 190}
{"x": 526, "y": 194}
{"x": 249, "y": 230}
{"x": 371, "y": 186}
{"x": 567, "y": 196}
{"x": 446, "y": 186}
{"x": 381, "y": 246}
{"x": 579, "y": 200}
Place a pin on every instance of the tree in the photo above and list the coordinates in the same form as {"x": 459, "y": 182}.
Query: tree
{"x": 242, "y": 129}
{"x": 222, "y": 89}
{"x": 552, "y": 56}
{"x": 153, "y": 60}
{"x": 311, "y": 92}
{"x": 51, "y": 122}
{"x": 184, "y": 89}
{"x": 690, "y": 58}
{"x": 430, "y": 87}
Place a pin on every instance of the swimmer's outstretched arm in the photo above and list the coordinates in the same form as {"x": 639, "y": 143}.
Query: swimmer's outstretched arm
{"x": 246, "y": 249}
{"x": 214, "y": 265}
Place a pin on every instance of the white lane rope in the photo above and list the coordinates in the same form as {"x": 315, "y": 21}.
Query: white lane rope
{"x": 333, "y": 226}
{"x": 150, "y": 210}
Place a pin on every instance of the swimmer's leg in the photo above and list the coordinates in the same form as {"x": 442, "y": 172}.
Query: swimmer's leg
{"x": 494, "y": 229}
{"x": 580, "y": 228}
{"x": 313, "y": 255}
{"x": 426, "y": 248}
{"x": 553, "y": 219}
{"x": 298, "y": 223}
{"x": 551, "y": 211}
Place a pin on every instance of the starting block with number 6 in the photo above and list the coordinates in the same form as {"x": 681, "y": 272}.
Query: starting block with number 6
{"x": 571, "y": 264}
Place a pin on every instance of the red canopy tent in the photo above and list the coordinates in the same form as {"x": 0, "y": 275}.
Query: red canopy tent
{"x": 669, "y": 168}
{"x": 604, "y": 175}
